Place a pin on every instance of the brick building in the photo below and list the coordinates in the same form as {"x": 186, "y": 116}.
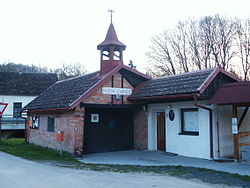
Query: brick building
{"x": 92, "y": 110}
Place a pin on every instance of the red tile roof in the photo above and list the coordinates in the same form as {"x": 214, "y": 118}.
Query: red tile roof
{"x": 232, "y": 93}
{"x": 177, "y": 86}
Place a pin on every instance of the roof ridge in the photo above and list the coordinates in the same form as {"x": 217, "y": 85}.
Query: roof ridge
{"x": 185, "y": 73}
{"x": 27, "y": 72}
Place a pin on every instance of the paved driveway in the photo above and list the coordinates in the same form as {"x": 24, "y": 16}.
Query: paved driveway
{"x": 20, "y": 173}
{"x": 159, "y": 158}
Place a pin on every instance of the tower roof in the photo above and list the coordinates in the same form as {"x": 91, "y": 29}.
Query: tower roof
{"x": 111, "y": 39}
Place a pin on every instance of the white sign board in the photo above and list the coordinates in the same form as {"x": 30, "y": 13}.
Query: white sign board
{"x": 234, "y": 126}
{"x": 94, "y": 118}
{"x": 116, "y": 91}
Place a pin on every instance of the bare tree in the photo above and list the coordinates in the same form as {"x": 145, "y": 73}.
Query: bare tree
{"x": 243, "y": 42}
{"x": 222, "y": 41}
{"x": 204, "y": 41}
{"x": 160, "y": 57}
{"x": 179, "y": 44}
{"x": 70, "y": 70}
{"x": 194, "y": 44}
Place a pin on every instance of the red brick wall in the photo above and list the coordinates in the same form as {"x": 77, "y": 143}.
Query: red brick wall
{"x": 98, "y": 98}
{"x": 140, "y": 130}
{"x": 71, "y": 122}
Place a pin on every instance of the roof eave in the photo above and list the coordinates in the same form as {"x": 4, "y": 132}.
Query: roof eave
{"x": 189, "y": 95}
{"x": 47, "y": 109}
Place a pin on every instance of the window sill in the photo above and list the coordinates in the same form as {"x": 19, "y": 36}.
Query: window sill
{"x": 189, "y": 133}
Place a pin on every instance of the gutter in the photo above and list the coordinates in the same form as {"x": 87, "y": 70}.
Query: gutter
{"x": 191, "y": 95}
{"x": 195, "y": 97}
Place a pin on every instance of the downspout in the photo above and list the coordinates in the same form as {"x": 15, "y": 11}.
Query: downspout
{"x": 218, "y": 137}
{"x": 195, "y": 97}
{"x": 216, "y": 117}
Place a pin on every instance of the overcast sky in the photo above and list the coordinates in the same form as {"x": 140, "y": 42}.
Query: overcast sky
{"x": 52, "y": 32}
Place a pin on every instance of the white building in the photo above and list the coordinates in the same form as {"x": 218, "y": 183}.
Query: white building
{"x": 17, "y": 90}
{"x": 181, "y": 120}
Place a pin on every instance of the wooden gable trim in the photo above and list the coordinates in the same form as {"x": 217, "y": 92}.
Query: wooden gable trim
{"x": 95, "y": 87}
{"x": 212, "y": 76}
{"x": 105, "y": 78}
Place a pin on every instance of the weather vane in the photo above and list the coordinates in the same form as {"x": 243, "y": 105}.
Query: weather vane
{"x": 111, "y": 12}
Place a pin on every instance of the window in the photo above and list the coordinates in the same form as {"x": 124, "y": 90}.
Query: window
{"x": 17, "y": 106}
{"x": 51, "y": 124}
{"x": 189, "y": 121}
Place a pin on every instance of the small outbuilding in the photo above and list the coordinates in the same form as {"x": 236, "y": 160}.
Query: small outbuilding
{"x": 236, "y": 96}
{"x": 179, "y": 117}
{"x": 92, "y": 111}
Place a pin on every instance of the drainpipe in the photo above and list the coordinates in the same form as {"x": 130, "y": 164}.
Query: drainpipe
{"x": 210, "y": 123}
{"x": 218, "y": 137}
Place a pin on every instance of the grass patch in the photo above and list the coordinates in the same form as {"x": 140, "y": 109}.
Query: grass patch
{"x": 20, "y": 148}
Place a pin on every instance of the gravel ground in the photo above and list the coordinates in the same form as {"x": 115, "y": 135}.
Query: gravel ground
{"x": 21, "y": 173}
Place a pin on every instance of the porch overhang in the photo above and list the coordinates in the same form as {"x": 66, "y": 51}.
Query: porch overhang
{"x": 232, "y": 94}
{"x": 237, "y": 95}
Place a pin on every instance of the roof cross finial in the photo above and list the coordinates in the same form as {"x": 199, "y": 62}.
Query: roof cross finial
{"x": 111, "y": 12}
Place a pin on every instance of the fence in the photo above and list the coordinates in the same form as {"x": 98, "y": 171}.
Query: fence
{"x": 9, "y": 122}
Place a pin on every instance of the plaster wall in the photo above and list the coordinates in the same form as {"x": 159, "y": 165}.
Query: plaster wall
{"x": 186, "y": 145}
{"x": 16, "y": 98}
{"x": 225, "y": 149}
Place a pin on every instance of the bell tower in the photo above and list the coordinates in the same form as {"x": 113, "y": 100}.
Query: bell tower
{"x": 111, "y": 51}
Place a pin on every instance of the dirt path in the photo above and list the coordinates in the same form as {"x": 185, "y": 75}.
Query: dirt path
{"x": 21, "y": 173}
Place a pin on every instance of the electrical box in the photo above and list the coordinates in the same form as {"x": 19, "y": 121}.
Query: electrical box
{"x": 60, "y": 136}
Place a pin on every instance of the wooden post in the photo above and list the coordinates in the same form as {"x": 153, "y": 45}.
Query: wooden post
{"x": 236, "y": 138}
{"x": 236, "y": 148}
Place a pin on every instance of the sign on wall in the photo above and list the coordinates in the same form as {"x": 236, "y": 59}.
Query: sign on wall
{"x": 234, "y": 126}
{"x": 94, "y": 118}
{"x": 171, "y": 115}
{"x": 116, "y": 91}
